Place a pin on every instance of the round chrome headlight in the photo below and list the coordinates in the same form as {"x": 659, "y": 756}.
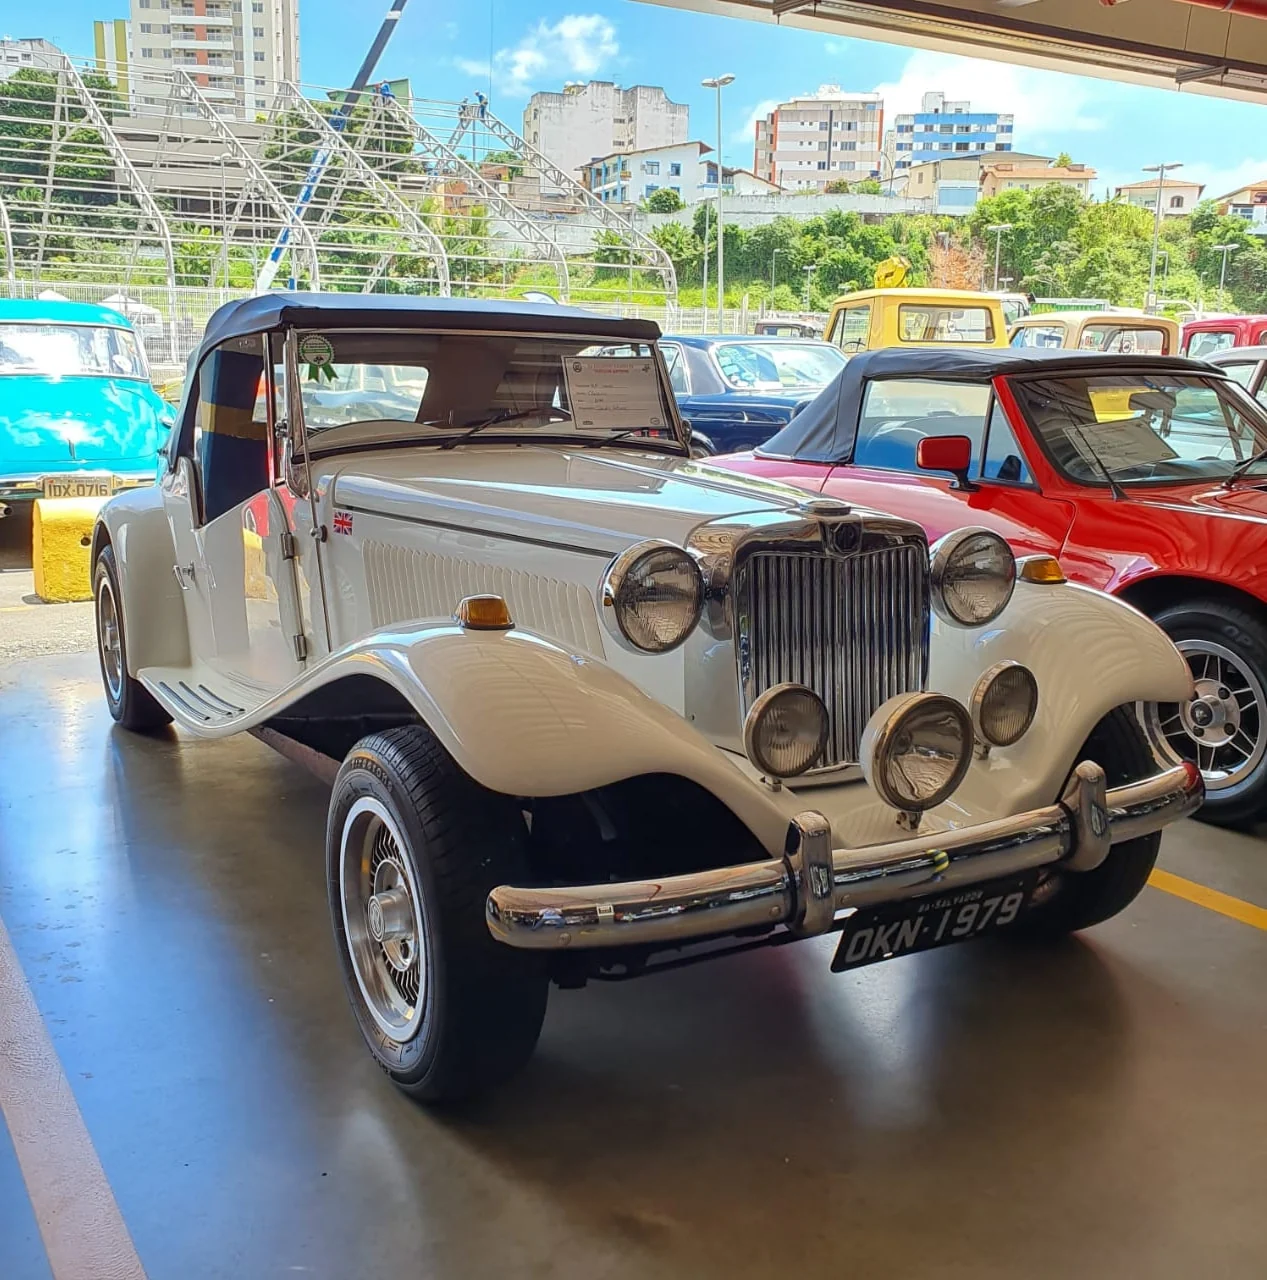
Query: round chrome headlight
{"x": 786, "y": 730}
{"x": 1004, "y": 703}
{"x": 973, "y": 575}
{"x": 653, "y": 594}
{"x": 916, "y": 749}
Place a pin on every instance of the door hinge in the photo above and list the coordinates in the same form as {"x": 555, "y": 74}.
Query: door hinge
{"x": 289, "y": 547}
{"x": 301, "y": 648}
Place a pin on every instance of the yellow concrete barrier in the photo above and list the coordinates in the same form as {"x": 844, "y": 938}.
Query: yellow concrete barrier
{"x": 61, "y": 541}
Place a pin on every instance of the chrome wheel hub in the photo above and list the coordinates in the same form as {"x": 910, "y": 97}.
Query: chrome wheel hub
{"x": 109, "y": 639}
{"x": 382, "y": 919}
{"x": 1221, "y": 729}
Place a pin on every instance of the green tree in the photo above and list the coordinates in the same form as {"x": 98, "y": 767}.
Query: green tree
{"x": 663, "y": 200}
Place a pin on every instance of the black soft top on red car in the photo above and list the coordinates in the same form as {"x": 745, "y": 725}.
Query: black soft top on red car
{"x": 825, "y": 429}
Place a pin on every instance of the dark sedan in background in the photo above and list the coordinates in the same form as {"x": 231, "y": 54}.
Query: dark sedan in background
{"x": 737, "y": 392}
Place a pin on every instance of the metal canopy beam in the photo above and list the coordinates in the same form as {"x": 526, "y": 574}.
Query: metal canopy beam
{"x": 1161, "y": 43}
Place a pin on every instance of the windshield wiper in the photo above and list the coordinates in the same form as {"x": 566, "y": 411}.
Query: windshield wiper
{"x": 619, "y": 435}
{"x": 509, "y": 415}
{"x": 1243, "y": 466}
{"x": 1114, "y": 487}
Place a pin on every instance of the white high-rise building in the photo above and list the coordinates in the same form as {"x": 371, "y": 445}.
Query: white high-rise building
{"x": 587, "y": 121}
{"x": 828, "y": 136}
{"x": 235, "y": 50}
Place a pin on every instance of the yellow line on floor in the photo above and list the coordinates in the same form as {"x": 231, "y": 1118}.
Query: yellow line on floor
{"x": 83, "y": 1231}
{"x": 1211, "y": 899}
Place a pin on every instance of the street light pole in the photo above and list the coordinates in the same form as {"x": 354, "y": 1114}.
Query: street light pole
{"x": 1160, "y": 170}
{"x": 998, "y": 229}
{"x": 1227, "y": 250}
{"x": 719, "y": 83}
{"x": 773, "y": 259}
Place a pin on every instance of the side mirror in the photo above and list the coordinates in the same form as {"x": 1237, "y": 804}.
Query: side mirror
{"x": 946, "y": 453}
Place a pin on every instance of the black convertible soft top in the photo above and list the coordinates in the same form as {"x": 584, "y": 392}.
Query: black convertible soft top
{"x": 824, "y": 431}
{"x": 367, "y": 310}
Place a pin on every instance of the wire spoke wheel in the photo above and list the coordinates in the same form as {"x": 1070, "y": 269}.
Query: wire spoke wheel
{"x": 109, "y": 637}
{"x": 1221, "y": 729}
{"x": 383, "y": 919}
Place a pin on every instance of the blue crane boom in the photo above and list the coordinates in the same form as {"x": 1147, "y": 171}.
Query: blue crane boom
{"x": 321, "y": 159}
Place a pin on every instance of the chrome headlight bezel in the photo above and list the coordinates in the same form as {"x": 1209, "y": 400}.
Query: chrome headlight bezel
{"x": 621, "y": 579}
{"x": 759, "y": 718}
{"x": 885, "y": 734}
{"x": 946, "y": 558}
{"x": 981, "y": 712}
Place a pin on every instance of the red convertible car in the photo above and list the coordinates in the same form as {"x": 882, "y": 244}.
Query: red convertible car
{"x": 1145, "y": 476}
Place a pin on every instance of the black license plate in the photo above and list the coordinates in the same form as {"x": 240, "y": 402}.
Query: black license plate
{"x": 920, "y": 924}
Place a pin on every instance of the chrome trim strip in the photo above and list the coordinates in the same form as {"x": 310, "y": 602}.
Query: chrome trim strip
{"x": 789, "y": 890}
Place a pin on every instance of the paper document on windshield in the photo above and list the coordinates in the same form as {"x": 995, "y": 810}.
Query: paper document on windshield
{"x": 1118, "y": 446}
{"x": 613, "y": 392}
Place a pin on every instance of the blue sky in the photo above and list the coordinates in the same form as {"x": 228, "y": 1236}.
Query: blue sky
{"x": 450, "y": 50}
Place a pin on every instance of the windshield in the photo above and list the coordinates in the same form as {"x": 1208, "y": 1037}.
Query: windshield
{"x": 1119, "y": 339}
{"x": 1143, "y": 428}
{"x": 409, "y": 385}
{"x": 774, "y": 366}
{"x": 928, "y": 323}
{"x": 70, "y": 350}
{"x": 1206, "y": 342}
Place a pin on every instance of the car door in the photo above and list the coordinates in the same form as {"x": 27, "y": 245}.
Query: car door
{"x": 230, "y": 525}
{"x": 1005, "y": 495}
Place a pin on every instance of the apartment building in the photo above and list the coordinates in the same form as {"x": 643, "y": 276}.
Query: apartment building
{"x": 589, "y": 121}
{"x": 34, "y": 55}
{"x": 1028, "y": 175}
{"x": 941, "y": 129}
{"x": 235, "y": 50}
{"x": 629, "y": 177}
{"x": 1177, "y": 197}
{"x": 822, "y": 137}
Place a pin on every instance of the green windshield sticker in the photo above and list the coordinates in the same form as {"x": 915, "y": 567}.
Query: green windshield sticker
{"x": 315, "y": 348}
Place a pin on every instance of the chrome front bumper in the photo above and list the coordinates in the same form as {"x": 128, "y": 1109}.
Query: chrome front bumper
{"x": 812, "y": 882}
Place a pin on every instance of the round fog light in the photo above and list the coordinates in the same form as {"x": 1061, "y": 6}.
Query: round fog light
{"x": 1004, "y": 703}
{"x": 786, "y": 730}
{"x": 916, "y": 749}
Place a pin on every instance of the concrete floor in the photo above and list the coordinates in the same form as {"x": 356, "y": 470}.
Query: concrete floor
{"x": 980, "y": 1112}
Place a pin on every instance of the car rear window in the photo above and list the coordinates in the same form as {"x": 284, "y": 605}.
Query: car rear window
{"x": 927, "y": 322}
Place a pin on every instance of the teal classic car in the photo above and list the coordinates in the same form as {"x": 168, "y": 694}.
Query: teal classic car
{"x": 78, "y": 416}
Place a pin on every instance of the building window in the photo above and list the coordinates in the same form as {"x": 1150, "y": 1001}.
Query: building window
{"x": 849, "y": 146}
{"x": 259, "y": 56}
{"x": 257, "y": 7}
{"x": 651, "y": 166}
{"x": 963, "y": 146}
{"x": 146, "y": 28}
{"x": 147, "y": 53}
{"x": 1176, "y": 202}
{"x": 649, "y": 188}
{"x": 822, "y": 164}
{"x": 167, "y": 53}
{"x": 675, "y": 171}
{"x": 258, "y": 32}
{"x": 259, "y": 82}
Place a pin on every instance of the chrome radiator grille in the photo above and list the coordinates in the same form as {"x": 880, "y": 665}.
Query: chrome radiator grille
{"x": 853, "y": 629}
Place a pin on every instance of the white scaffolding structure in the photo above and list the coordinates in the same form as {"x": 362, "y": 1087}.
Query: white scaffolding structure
{"x": 159, "y": 190}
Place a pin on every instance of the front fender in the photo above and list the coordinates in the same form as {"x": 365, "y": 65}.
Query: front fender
{"x": 1089, "y": 653}
{"x": 154, "y": 623}
{"x": 525, "y": 717}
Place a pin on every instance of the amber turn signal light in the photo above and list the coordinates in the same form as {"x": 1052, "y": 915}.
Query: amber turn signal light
{"x": 484, "y": 613}
{"x": 1044, "y": 570}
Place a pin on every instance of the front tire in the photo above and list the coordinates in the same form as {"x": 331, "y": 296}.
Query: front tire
{"x": 130, "y": 702}
{"x": 1083, "y": 899}
{"x": 413, "y": 847}
{"x": 1223, "y": 730}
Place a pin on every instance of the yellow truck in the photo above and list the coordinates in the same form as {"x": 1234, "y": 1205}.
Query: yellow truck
{"x": 876, "y": 318}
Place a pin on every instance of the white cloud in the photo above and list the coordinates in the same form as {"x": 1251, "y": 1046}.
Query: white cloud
{"x": 1223, "y": 181}
{"x": 747, "y": 132}
{"x": 579, "y": 44}
{"x": 1046, "y": 104}
{"x": 472, "y": 67}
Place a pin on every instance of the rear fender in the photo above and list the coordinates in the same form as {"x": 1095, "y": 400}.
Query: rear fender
{"x": 154, "y": 622}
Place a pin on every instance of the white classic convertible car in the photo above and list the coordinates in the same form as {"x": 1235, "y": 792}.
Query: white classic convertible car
{"x": 589, "y": 707}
